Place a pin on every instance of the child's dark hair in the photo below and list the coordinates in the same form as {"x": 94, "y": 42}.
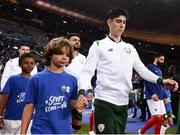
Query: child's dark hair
{"x": 26, "y": 55}
{"x": 72, "y": 34}
{"x": 116, "y": 12}
{"x": 54, "y": 47}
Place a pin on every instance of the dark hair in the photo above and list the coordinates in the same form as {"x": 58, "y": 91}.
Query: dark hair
{"x": 116, "y": 12}
{"x": 54, "y": 47}
{"x": 24, "y": 56}
{"x": 72, "y": 34}
{"x": 23, "y": 44}
{"x": 158, "y": 54}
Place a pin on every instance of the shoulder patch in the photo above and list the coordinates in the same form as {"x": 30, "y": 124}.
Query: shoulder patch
{"x": 127, "y": 50}
{"x": 101, "y": 127}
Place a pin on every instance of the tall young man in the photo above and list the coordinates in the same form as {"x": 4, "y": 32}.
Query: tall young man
{"x": 114, "y": 61}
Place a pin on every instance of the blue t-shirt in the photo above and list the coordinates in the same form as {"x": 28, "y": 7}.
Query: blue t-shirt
{"x": 51, "y": 94}
{"x": 152, "y": 88}
{"x": 167, "y": 96}
{"x": 15, "y": 87}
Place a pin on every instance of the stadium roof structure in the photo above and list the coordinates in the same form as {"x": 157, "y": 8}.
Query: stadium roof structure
{"x": 150, "y": 20}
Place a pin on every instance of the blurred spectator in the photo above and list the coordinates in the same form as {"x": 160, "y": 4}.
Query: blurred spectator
{"x": 133, "y": 94}
{"x": 1, "y": 67}
{"x": 174, "y": 95}
{"x": 143, "y": 105}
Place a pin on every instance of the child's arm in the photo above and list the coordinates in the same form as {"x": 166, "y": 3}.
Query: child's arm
{"x": 26, "y": 117}
{"x": 3, "y": 103}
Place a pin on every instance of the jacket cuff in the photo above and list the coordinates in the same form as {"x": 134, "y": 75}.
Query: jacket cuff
{"x": 81, "y": 92}
{"x": 160, "y": 81}
{"x": 89, "y": 91}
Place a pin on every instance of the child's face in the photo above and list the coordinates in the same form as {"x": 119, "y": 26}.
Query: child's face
{"x": 60, "y": 60}
{"x": 27, "y": 65}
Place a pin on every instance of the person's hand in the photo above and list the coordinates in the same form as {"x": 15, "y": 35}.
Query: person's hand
{"x": 90, "y": 96}
{"x": 154, "y": 97}
{"x": 1, "y": 123}
{"x": 165, "y": 101}
{"x": 171, "y": 121}
{"x": 81, "y": 103}
{"x": 170, "y": 84}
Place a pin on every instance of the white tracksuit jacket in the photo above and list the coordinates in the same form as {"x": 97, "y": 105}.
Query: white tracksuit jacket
{"x": 114, "y": 63}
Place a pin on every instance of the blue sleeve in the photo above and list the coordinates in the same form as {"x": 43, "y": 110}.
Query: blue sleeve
{"x": 168, "y": 107}
{"x": 31, "y": 91}
{"x": 165, "y": 95}
{"x": 75, "y": 90}
{"x": 8, "y": 86}
{"x": 150, "y": 86}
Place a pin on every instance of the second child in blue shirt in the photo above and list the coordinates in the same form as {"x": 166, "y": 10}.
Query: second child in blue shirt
{"x": 12, "y": 96}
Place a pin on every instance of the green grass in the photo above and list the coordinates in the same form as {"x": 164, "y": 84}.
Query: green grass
{"x": 85, "y": 127}
{"x": 171, "y": 131}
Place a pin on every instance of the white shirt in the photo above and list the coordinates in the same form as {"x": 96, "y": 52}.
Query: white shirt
{"x": 12, "y": 68}
{"x": 75, "y": 68}
{"x": 114, "y": 63}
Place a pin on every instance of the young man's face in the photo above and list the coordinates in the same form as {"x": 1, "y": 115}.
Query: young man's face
{"x": 23, "y": 49}
{"x": 60, "y": 60}
{"x": 27, "y": 64}
{"x": 75, "y": 42}
{"x": 160, "y": 60}
{"x": 117, "y": 25}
